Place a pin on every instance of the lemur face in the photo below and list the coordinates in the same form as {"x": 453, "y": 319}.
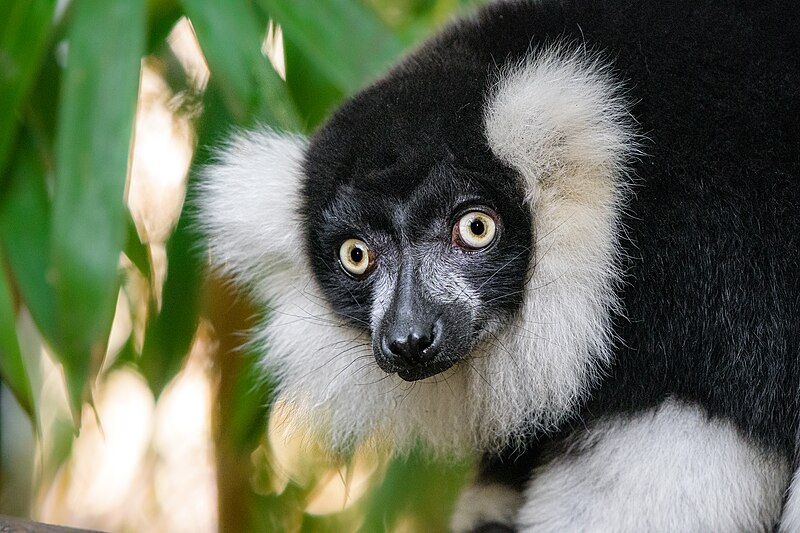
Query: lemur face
{"x": 414, "y": 229}
{"x": 428, "y": 258}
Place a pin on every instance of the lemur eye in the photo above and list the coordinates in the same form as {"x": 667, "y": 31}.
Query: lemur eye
{"x": 356, "y": 257}
{"x": 474, "y": 230}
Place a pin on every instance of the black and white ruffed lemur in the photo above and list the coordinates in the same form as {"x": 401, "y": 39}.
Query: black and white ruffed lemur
{"x": 564, "y": 234}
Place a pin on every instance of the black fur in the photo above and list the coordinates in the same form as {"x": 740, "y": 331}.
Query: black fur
{"x": 712, "y": 292}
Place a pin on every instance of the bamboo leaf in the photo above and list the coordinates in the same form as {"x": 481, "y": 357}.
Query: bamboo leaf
{"x": 169, "y": 333}
{"x": 12, "y": 368}
{"x": 251, "y": 398}
{"x": 231, "y": 41}
{"x": 137, "y": 251}
{"x": 24, "y": 28}
{"x": 420, "y": 488}
{"x": 315, "y": 94}
{"x": 98, "y": 98}
{"x": 344, "y": 40}
{"x": 25, "y": 234}
{"x": 161, "y": 18}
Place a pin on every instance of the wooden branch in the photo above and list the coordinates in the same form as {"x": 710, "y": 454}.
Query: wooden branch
{"x": 18, "y": 525}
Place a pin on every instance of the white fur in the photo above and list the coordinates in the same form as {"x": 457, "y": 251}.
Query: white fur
{"x": 790, "y": 520}
{"x": 558, "y": 119}
{"x": 248, "y": 204}
{"x": 483, "y": 504}
{"x": 668, "y": 469}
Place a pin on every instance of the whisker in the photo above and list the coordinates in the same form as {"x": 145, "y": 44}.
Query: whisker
{"x": 348, "y": 290}
{"x": 480, "y": 374}
{"x": 335, "y": 356}
{"x": 348, "y": 365}
{"x": 307, "y": 295}
{"x": 496, "y": 272}
{"x": 382, "y": 378}
{"x": 506, "y": 350}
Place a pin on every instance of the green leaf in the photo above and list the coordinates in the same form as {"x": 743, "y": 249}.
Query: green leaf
{"x": 251, "y": 396}
{"x": 12, "y": 368}
{"x": 315, "y": 94}
{"x": 25, "y": 234}
{"x": 231, "y": 41}
{"x": 41, "y": 110}
{"x": 169, "y": 333}
{"x": 95, "y": 122}
{"x": 345, "y": 41}
{"x": 137, "y": 251}
{"x": 24, "y": 28}
{"x": 162, "y": 15}
{"x": 420, "y": 488}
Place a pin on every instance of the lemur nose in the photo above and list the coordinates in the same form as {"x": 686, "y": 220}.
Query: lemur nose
{"x": 412, "y": 344}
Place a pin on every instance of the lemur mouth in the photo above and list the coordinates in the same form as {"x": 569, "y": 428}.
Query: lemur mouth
{"x": 426, "y": 371}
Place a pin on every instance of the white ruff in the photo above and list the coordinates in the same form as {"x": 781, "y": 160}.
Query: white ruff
{"x": 790, "y": 520}
{"x": 559, "y": 121}
{"x": 668, "y": 469}
{"x": 485, "y": 504}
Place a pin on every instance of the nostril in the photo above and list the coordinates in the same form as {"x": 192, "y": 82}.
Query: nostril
{"x": 399, "y": 346}
{"x": 410, "y": 344}
{"x": 421, "y": 342}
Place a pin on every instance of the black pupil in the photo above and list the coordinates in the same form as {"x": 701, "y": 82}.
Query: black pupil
{"x": 356, "y": 255}
{"x": 476, "y": 226}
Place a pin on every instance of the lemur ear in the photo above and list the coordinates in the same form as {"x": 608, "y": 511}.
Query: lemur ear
{"x": 560, "y": 119}
{"x": 248, "y": 202}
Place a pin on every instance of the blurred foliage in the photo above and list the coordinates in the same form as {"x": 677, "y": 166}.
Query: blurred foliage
{"x": 68, "y": 87}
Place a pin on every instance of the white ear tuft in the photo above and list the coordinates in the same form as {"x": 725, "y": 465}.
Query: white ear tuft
{"x": 248, "y": 204}
{"x": 560, "y": 119}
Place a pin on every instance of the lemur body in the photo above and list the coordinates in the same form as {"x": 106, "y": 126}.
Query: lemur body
{"x": 565, "y": 234}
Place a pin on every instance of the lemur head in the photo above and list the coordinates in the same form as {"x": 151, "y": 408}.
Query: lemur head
{"x": 419, "y": 239}
{"x": 439, "y": 261}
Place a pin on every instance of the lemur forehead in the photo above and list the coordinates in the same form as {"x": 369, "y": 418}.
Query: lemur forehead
{"x": 404, "y": 211}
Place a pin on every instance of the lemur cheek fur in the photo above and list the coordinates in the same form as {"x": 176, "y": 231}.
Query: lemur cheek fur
{"x": 572, "y": 228}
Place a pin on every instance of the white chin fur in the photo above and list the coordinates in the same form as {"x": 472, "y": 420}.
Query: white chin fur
{"x": 559, "y": 121}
